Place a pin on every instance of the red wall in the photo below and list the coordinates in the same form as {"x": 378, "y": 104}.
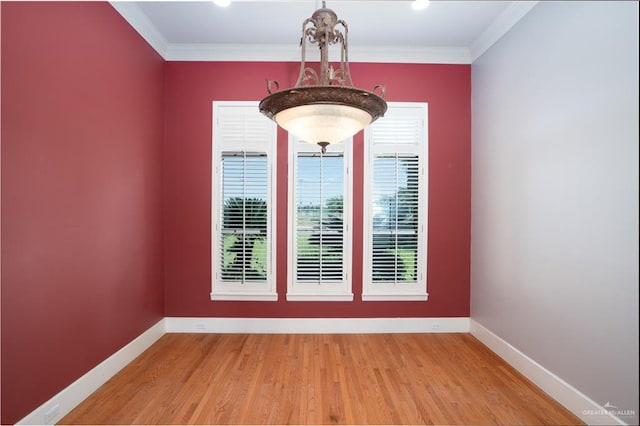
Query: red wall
{"x": 82, "y": 97}
{"x": 190, "y": 89}
{"x": 96, "y": 214}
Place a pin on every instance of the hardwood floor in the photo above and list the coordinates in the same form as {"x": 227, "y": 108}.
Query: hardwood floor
{"x": 445, "y": 379}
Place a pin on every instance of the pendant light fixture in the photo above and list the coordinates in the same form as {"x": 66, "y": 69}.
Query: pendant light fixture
{"x": 323, "y": 107}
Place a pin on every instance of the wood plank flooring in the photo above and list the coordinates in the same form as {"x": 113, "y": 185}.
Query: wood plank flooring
{"x": 444, "y": 379}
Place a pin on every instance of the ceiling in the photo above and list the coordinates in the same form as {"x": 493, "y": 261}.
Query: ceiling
{"x": 379, "y": 31}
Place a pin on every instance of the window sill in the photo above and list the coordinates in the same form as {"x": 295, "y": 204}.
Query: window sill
{"x": 373, "y": 297}
{"x": 258, "y": 297}
{"x": 316, "y": 297}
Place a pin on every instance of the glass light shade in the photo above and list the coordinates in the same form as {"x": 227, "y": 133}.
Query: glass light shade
{"x": 323, "y": 122}
{"x": 323, "y": 107}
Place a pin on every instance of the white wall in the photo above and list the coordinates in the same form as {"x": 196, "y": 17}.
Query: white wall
{"x": 555, "y": 194}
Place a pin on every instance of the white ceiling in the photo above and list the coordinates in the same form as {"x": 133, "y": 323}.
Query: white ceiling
{"x": 379, "y": 31}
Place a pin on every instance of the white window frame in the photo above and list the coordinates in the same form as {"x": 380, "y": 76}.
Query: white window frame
{"x": 327, "y": 291}
{"x": 390, "y": 291}
{"x": 265, "y": 141}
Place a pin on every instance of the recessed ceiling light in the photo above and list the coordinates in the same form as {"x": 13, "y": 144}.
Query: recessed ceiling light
{"x": 420, "y": 4}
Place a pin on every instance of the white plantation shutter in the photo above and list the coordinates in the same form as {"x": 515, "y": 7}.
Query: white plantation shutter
{"x": 243, "y": 216}
{"x": 240, "y": 127}
{"x": 243, "y": 200}
{"x": 395, "y": 206}
{"x": 320, "y": 193}
{"x": 319, "y": 222}
{"x": 395, "y": 222}
{"x": 396, "y": 133}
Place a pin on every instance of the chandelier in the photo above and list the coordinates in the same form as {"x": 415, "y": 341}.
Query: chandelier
{"x": 323, "y": 107}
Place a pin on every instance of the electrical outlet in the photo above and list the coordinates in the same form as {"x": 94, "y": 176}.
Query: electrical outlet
{"x": 201, "y": 327}
{"x": 51, "y": 414}
{"x": 435, "y": 326}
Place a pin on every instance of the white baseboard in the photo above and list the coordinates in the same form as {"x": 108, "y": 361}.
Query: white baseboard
{"x": 66, "y": 400}
{"x": 316, "y": 325}
{"x": 61, "y": 404}
{"x": 575, "y": 401}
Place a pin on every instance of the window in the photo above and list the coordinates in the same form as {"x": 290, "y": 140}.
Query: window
{"x": 243, "y": 200}
{"x": 319, "y": 214}
{"x": 395, "y": 205}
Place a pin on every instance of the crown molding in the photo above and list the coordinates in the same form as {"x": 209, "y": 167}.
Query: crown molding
{"x": 500, "y": 26}
{"x": 280, "y": 53}
{"x": 141, "y": 23}
{"x": 291, "y": 53}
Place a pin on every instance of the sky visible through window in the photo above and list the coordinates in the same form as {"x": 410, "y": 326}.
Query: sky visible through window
{"x": 332, "y": 186}
{"x": 309, "y": 177}
{"x": 244, "y": 176}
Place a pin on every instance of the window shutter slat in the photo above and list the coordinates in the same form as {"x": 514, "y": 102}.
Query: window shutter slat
{"x": 244, "y": 216}
{"x": 319, "y": 224}
{"x": 242, "y": 128}
{"x": 395, "y": 218}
